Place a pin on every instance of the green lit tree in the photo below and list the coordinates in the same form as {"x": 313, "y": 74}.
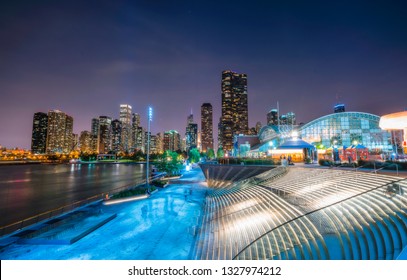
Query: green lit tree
{"x": 210, "y": 154}
{"x": 170, "y": 162}
{"x": 194, "y": 155}
{"x": 220, "y": 153}
{"x": 85, "y": 156}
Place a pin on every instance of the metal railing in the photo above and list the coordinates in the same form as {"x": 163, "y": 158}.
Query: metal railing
{"x": 42, "y": 217}
{"x": 386, "y": 166}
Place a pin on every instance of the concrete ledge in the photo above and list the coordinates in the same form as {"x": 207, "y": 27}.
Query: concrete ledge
{"x": 218, "y": 175}
{"x": 66, "y": 236}
{"x": 4, "y": 242}
{"x": 95, "y": 227}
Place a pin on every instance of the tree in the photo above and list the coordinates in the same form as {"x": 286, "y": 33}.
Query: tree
{"x": 220, "y": 153}
{"x": 210, "y": 154}
{"x": 194, "y": 155}
{"x": 85, "y": 156}
{"x": 137, "y": 155}
{"x": 169, "y": 162}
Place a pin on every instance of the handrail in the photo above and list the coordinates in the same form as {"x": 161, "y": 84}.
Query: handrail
{"x": 391, "y": 164}
{"x": 358, "y": 167}
{"x": 337, "y": 166}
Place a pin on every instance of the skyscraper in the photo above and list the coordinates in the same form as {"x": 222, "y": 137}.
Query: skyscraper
{"x": 85, "y": 141}
{"x": 94, "y": 134}
{"x": 140, "y": 134}
{"x": 172, "y": 140}
{"x": 135, "y": 124}
{"x": 136, "y": 119}
{"x": 39, "y": 133}
{"x": 159, "y": 143}
{"x": 234, "y": 119}
{"x": 191, "y": 134}
{"x": 272, "y": 117}
{"x": 153, "y": 143}
{"x": 105, "y": 134}
{"x": 190, "y": 118}
{"x": 220, "y": 131}
{"x": 206, "y": 127}
{"x": 291, "y": 118}
{"x": 117, "y": 136}
{"x": 199, "y": 142}
{"x": 126, "y": 129}
{"x": 59, "y": 132}
{"x": 75, "y": 142}
{"x": 69, "y": 140}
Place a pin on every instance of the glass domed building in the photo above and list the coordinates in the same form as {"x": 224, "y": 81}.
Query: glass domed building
{"x": 346, "y": 129}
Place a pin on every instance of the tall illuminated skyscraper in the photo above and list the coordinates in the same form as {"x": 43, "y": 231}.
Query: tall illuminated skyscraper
{"x": 206, "y": 127}
{"x": 172, "y": 140}
{"x": 94, "y": 132}
{"x": 105, "y": 134}
{"x": 85, "y": 141}
{"x": 234, "y": 118}
{"x": 135, "y": 119}
{"x": 191, "y": 134}
{"x": 272, "y": 117}
{"x": 141, "y": 140}
{"x": 117, "y": 136}
{"x": 125, "y": 114}
{"x": 69, "y": 139}
{"x": 59, "y": 132}
{"x": 39, "y": 133}
{"x": 159, "y": 143}
{"x": 135, "y": 124}
{"x": 291, "y": 118}
{"x": 126, "y": 130}
{"x": 190, "y": 118}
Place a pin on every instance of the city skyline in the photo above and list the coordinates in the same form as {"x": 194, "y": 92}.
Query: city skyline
{"x": 306, "y": 56}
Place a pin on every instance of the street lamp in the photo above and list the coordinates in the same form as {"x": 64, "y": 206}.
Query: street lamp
{"x": 150, "y": 117}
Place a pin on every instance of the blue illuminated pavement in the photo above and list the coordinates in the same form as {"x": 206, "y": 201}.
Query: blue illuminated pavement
{"x": 161, "y": 227}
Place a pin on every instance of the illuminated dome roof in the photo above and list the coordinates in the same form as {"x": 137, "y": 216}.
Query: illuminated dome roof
{"x": 394, "y": 121}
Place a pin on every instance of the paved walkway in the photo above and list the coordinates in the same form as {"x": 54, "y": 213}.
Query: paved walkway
{"x": 161, "y": 227}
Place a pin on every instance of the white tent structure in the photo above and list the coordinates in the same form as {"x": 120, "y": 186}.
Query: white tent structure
{"x": 395, "y": 121}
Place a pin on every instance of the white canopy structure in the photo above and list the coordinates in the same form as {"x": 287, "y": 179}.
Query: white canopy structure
{"x": 395, "y": 121}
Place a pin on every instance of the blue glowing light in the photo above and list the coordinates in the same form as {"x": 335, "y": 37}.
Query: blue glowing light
{"x": 150, "y": 113}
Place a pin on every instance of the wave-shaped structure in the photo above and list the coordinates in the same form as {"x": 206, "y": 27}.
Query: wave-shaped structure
{"x": 306, "y": 213}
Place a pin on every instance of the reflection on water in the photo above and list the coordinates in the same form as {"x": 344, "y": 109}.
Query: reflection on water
{"x": 27, "y": 190}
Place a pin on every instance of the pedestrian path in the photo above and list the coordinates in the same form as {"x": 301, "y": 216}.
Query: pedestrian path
{"x": 162, "y": 227}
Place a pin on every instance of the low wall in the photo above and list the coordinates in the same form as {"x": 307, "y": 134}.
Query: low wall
{"x": 218, "y": 175}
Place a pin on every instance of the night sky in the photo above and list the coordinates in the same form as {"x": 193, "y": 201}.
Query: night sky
{"x": 88, "y": 57}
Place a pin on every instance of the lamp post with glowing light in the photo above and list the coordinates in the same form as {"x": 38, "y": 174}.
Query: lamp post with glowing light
{"x": 150, "y": 117}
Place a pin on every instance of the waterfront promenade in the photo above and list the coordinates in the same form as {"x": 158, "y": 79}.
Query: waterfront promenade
{"x": 162, "y": 227}
{"x": 165, "y": 225}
